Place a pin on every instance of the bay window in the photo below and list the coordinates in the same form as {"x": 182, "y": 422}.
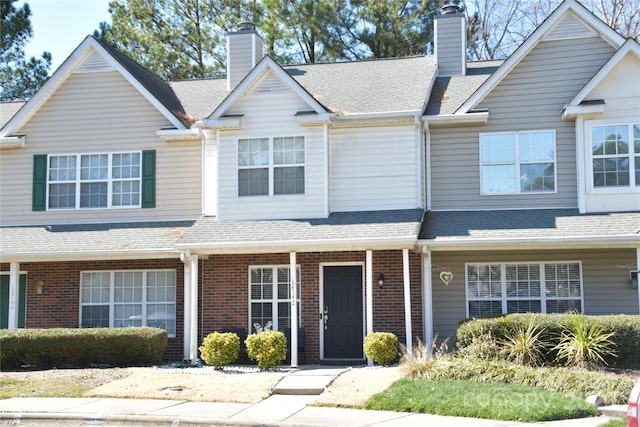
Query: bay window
{"x": 615, "y": 155}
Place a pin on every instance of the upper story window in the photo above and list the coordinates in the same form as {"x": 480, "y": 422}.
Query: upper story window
{"x": 518, "y": 162}
{"x": 94, "y": 180}
{"x": 271, "y": 166}
{"x": 615, "y": 154}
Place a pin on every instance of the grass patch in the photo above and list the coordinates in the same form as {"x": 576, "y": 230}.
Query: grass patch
{"x": 463, "y": 398}
{"x": 615, "y": 423}
{"x": 61, "y": 387}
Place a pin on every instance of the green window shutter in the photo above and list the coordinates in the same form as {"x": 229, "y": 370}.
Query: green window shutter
{"x": 149, "y": 179}
{"x": 39, "y": 190}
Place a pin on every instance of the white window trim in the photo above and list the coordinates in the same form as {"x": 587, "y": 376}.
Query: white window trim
{"x": 275, "y": 300}
{"x": 112, "y": 303}
{"x": 78, "y": 181}
{"x": 271, "y": 166}
{"x": 503, "y": 285}
{"x": 591, "y": 189}
{"x": 517, "y": 163}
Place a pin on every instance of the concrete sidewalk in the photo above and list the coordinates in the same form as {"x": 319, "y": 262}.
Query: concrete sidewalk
{"x": 287, "y": 406}
{"x": 277, "y": 410}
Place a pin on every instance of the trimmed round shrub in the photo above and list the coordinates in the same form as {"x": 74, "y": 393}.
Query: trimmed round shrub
{"x": 268, "y": 348}
{"x": 381, "y": 347}
{"x": 219, "y": 349}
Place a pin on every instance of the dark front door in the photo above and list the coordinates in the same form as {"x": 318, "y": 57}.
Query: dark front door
{"x": 343, "y": 312}
{"x": 4, "y": 300}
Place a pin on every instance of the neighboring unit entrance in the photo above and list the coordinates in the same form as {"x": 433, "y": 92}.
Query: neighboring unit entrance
{"x": 4, "y": 300}
{"x": 343, "y": 321}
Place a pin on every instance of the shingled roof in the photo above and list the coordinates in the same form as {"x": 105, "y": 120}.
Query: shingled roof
{"x": 398, "y": 227}
{"x": 529, "y": 226}
{"x": 92, "y": 241}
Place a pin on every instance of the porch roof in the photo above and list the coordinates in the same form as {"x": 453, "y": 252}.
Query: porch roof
{"x": 69, "y": 242}
{"x": 530, "y": 229}
{"x": 340, "y": 231}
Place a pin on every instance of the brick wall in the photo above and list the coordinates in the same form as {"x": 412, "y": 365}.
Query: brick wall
{"x": 225, "y": 292}
{"x": 59, "y": 304}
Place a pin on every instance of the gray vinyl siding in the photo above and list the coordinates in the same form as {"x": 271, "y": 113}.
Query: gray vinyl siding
{"x": 450, "y": 45}
{"x": 605, "y": 281}
{"x": 100, "y": 112}
{"x": 531, "y": 97}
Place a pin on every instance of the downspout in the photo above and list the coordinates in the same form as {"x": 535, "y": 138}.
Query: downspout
{"x": 190, "y": 347}
{"x": 369, "y": 294}
{"x": 293, "y": 291}
{"x": 14, "y": 295}
{"x": 407, "y": 301}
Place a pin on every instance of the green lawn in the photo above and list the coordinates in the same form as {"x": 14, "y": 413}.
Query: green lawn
{"x": 479, "y": 400}
{"x": 58, "y": 387}
{"x": 615, "y": 423}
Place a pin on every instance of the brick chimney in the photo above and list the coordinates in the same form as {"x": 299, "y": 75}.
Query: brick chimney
{"x": 244, "y": 51}
{"x": 451, "y": 41}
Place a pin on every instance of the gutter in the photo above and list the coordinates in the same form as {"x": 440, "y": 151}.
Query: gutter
{"x": 472, "y": 118}
{"x": 500, "y": 244}
{"x": 91, "y": 256}
{"x": 405, "y": 242}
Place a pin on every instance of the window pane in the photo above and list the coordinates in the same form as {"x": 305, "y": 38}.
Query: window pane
{"x": 563, "y": 306}
{"x": 483, "y": 281}
{"x": 93, "y": 195}
{"x": 562, "y": 280}
{"x": 253, "y": 152}
{"x": 537, "y": 177}
{"x": 62, "y": 168}
{"x": 524, "y": 306}
{"x": 127, "y": 315}
{"x": 536, "y": 146}
{"x": 611, "y": 172}
{"x": 288, "y": 151}
{"x": 95, "y": 316}
{"x": 288, "y": 180}
{"x": 498, "y": 179}
{"x": 498, "y": 148}
{"x": 94, "y": 167}
{"x": 162, "y": 316}
{"x": 62, "y": 196}
{"x": 261, "y": 314}
{"x": 253, "y": 182}
{"x": 126, "y": 165}
{"x": 94, "y": 287}
{"x": 128, "y": 286}
{"x": 484, "y": 308}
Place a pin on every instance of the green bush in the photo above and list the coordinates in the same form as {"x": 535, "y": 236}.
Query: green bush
{"x": 381, "y": 347}
{"x": 220, "y": 349}
{"x": 614, "y": 389}
{"x": 626, "y": 328}
{"x": 47, "y": 348}
{"x": 268, "y": 348}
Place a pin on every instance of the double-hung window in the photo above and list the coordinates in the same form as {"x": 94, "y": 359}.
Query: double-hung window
{"x": 128, "y": 298}
{"x": 271, "y": 166}
{"x": 615, "y": 154}
{"x": 102, "y": 180}
{"x": 494, "y": 289}
{"x": 518, "y": 162}
{"x": 270, "y": 297}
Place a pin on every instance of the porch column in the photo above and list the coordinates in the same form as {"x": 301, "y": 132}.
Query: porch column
{"x": 427, "y": 300}
{"x": 369, "y": 294}
{"x": 186, "y": 348}
{"x": 193, "y": 269}
{"x": 14, "y": 294}
{"x": 407, "y": 301}
{"x": 638, "y": 271}
{"x": 293, "y": 291}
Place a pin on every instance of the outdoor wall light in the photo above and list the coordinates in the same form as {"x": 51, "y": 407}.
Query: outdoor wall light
{"x": 380, "y": 280}
{"x": 633, "y": 276}
{"x": 39, "y": 286}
